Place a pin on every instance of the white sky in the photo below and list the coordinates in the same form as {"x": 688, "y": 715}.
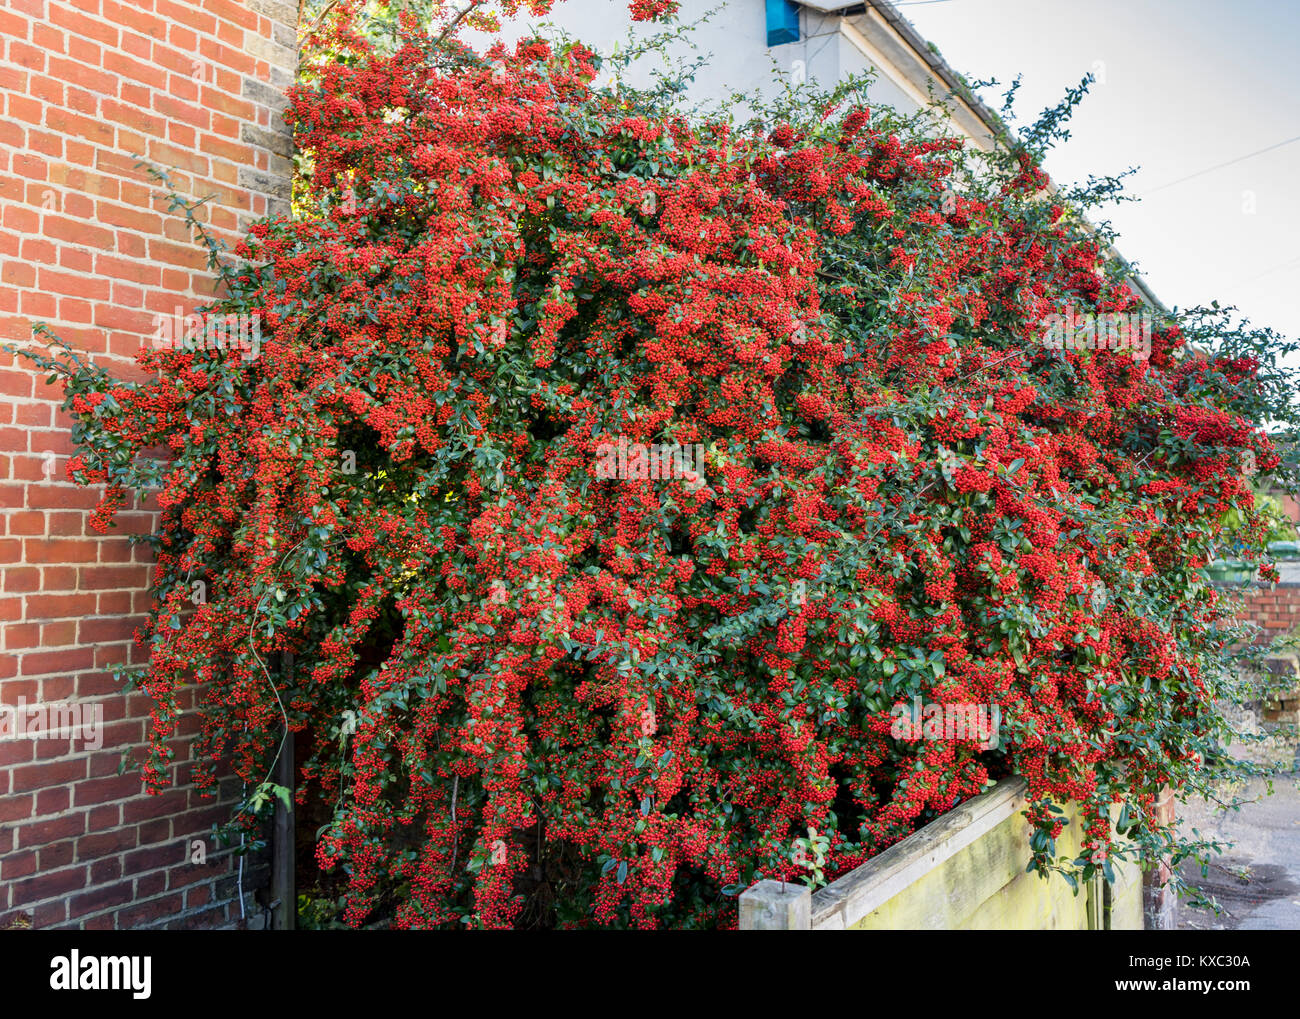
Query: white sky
{"x": 1184, "y": 85}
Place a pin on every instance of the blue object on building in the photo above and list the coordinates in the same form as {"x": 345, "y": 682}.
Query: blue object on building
{"x": 782, "y": 22}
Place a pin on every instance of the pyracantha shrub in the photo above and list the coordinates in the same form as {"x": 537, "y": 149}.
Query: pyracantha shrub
{"x": 612, "y": 478}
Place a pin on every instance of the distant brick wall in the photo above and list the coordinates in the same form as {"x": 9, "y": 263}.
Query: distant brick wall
{"x": 1275, "y": 608}
{"x": 85, "y": 246}
{"x": 1289, "y": 506}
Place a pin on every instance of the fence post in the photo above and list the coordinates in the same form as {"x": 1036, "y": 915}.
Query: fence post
{"x": 776, "y": 906}
{"x": 1159, "y": 901}
{"x": 1098, "y": 903}
{"x": 284, "y": 892}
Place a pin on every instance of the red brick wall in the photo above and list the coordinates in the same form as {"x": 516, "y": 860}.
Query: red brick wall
{"x": 1289, "y": 506}
{"x": 1275, "y": 608}
{"x": 86, "y": 246}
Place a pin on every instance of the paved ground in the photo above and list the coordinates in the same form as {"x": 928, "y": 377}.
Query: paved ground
{"x": 1257, "y": 882}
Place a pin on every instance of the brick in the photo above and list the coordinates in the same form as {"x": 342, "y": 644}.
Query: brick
{"x": 13, "y": 753}
{"x": 100, "y": 899}
{"x": 186, "y": 113}
{"x": 63, "y": 525}
{"x": 50, "y": 914}
{"x": 15, "y": 274}
{"x": 149, "y": 808}
{"x": 59, "y": 578}
{"x": 77, "y": 232}
{"x": 123, "y": 269}
{"x": 154, "y": 909}
{"x": 103, "y": 818}
{"x": 151, "y": 832}
{"x": 89, "y": 78}
{"x": 103, "y": 790}
{"x": 24, "y": 55}
{"x": 69, "y": 123}
{"x": 46, "y": 886}
{"x": 37, "y": 833}
{"x": 150, "y": 884}
{"x": 58, "y": 854}
{"x": 16, "y": 865}
{"x": 14, "y": 808}
{"x": 188, "y": 874}
{"x": 47, "y": 90}
{"x": 54, "y": 748}
{"x": 135, "y": 70}
{"x": 52, "y": 801}
{"x": 40, "y": 663}
{"x": 152, "y": 858}
{"x": 56, "y": 688}
{"x": 97, "y": 684}
{"x": 38, "y": 776}
{"x": 12, "y": 25}
{"x": 22, "y": 579}
{"x": 109, "y": 843}
{"x": 108, "y": 630}
{"x": 56, "y": 606}
{"x": 106, "y": 870}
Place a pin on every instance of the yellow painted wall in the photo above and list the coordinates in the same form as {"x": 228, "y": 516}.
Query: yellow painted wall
{"x": 984, "y": 886}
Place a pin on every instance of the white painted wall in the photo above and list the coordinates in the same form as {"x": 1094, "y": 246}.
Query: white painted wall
{"x": 734, "y": 40}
